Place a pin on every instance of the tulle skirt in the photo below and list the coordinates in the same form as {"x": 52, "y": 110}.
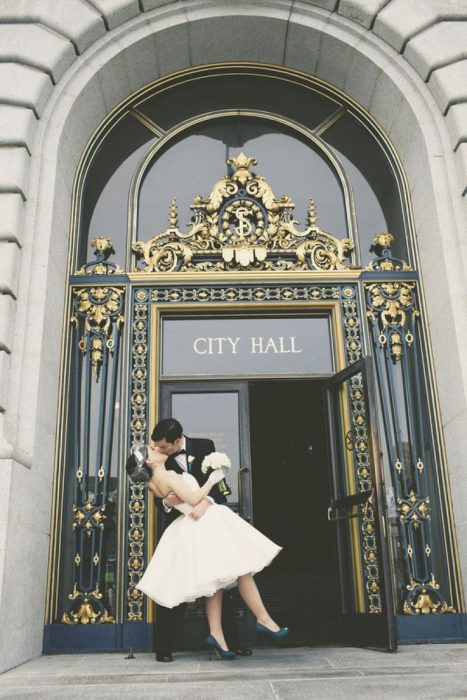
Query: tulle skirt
{"x": 196, "y": 558}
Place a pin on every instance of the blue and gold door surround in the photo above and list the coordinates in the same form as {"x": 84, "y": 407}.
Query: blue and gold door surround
{"x": 242, "y": 256}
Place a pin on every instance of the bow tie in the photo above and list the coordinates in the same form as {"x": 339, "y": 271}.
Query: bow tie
{"x": 181, "y": 452}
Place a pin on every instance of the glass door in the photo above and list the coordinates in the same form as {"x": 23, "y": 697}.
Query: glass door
{"x": 218, "y": 411}
{"x": 358, "y": 510}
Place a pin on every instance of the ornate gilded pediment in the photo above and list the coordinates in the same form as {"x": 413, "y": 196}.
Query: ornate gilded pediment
{"x": 242, "y": 225}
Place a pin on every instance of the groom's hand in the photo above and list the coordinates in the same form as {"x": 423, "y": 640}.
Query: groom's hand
{"x": 198, "y": 511}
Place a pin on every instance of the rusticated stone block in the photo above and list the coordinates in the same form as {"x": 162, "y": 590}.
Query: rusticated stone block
{"x": 9, "y": 266}
{"x": 17, "y": 125}
{"x": 74, "y": 19}
{"x": 152, "y": 4}
{"x": 399, "y": 20}
{"x": 461, "y": 163}
{"x": 14, "y": 170}
{"x": 361, "y": 11}
{"x": 117, "y": 11}
{"x": 449, "y": 84}
{"x": 7, "y": 317}
{"x": 456, "y": 119}
{"x": 5, "y": 362}
{"x": 24, "y": 86}
{"x": 38, "y": 47}
{"x": 11, "y": 217}
{"x": 437, "y": 46}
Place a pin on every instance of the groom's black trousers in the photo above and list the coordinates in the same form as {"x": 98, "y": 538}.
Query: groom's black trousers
{"x": 166, "y": 621}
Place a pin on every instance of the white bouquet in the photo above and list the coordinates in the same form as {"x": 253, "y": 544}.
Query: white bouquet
{"x": 217, "y": 460}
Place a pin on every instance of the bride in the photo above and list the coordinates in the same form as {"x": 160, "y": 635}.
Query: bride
{"x": 197, "y": 558}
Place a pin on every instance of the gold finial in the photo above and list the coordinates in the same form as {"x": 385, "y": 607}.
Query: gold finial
{"x": 102, "y": 245}
{"x": 242, "y": 162}
{"x": 383, "y": 240}
{"x": 312, "y": 213}
{"x": 173, "y": 216}
{"x": 242, "y": 165}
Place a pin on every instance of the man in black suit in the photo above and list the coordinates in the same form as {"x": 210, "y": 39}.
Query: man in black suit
{"x": 187, "y": 454}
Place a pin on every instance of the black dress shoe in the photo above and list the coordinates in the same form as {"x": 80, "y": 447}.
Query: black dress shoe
{"x": 165, "y": 657}
{"x": 243, "y": 652}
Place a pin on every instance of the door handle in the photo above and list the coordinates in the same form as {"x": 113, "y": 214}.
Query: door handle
{"x": 347, "y": 503}
{"x": 241, "y": 472}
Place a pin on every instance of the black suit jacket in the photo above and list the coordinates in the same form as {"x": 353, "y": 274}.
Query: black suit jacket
{"x": 197, "y": 448}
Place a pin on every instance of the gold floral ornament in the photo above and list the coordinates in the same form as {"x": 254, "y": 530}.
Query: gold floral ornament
{"x": 103, "y": 248}
{"x": 413, "y": 510}
{"x": 88, "y": 517}
{"x": 385, "y": 262}
{"x": 242, "y": 225}
{"x": 424, "y": 598}
{"x": 100, "y": 308}
{"x": 87, "y": 608}
{"x": 391, "y": 309}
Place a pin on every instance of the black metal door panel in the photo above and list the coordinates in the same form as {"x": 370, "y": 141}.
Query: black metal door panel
{"x": 358, "y": 509}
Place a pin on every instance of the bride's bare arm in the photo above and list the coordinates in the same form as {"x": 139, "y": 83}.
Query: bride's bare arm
{"x": 176, "y": 484}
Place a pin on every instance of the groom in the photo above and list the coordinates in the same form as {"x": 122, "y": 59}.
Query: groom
{"x": 187, "y": 454}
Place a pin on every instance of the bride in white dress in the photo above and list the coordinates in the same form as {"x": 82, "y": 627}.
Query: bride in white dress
{"x": 197, "y": 558}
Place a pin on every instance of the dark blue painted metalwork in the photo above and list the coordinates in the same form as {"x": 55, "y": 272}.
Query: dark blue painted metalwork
{"x": 393, "y": 313}
{"x": 97, "y": 318}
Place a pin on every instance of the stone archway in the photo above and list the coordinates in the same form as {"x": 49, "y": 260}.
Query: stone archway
{"x": 159, "y": 42}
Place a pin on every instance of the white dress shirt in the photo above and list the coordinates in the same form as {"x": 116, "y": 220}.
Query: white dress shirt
{"x": 181, "y": 459}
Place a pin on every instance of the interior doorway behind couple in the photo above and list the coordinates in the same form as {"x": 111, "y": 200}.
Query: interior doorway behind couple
{"x": 275, "y": 433}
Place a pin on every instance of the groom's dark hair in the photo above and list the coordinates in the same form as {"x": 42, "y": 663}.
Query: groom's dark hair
{"x": 168, "y": 429}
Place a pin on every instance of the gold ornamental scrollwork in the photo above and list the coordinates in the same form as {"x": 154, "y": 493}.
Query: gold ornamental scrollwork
{"x": 89, "y": 609}
{"x": 242, "y": 225}
{"x": 99, "y": 308}
{"x": 424, "y": 598}
{"x": 391, "y": 306}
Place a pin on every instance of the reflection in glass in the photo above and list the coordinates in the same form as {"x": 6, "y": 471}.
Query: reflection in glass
{"x": 105, "y": 194}
{"x": 377, "y": 196}
{"x": 214, "y": 416}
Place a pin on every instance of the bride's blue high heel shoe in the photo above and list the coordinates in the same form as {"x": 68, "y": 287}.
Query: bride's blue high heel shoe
{"x": 214, "y": 646}
{"x": 279, "y": 635}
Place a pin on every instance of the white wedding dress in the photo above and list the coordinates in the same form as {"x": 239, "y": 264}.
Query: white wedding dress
{"x": 196, "y": 558}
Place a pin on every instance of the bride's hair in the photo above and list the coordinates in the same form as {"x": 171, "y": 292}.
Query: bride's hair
{"x": 138, "y": 473}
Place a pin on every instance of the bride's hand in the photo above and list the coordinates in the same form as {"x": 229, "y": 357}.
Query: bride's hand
{"x": 216, "y": 475}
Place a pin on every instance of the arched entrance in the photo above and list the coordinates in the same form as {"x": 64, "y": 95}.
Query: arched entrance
{"x": 163, "y": 40}
{"x": 244, "y": 260}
